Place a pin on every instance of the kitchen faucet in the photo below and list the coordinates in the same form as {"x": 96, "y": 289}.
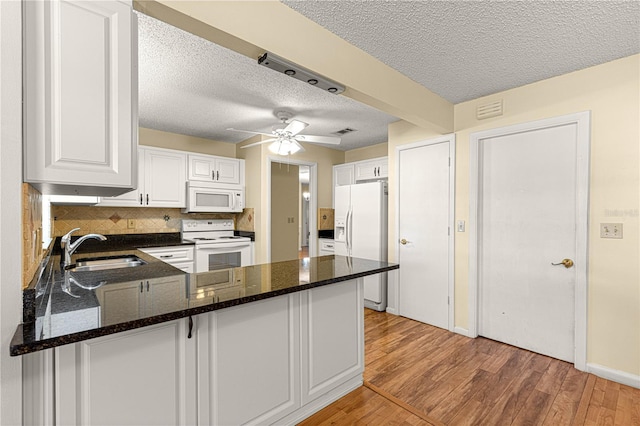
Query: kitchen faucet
{"x": 68, "y": 247}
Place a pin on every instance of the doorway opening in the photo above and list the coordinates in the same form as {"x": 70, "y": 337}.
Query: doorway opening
{"x": 292, "y": 203}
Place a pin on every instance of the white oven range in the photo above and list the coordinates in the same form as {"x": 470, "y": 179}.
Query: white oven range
{"x": 216, "y": 248}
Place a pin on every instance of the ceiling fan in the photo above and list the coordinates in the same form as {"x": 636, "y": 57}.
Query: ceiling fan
{"x": 285, "y": 138}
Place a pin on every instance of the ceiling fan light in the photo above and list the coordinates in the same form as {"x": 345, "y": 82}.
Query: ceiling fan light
{"x": 284, "y": 147}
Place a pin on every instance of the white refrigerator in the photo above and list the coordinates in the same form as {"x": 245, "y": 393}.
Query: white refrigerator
{"x": 361, "y": 231}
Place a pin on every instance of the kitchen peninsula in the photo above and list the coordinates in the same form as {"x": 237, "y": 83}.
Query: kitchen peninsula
{"x": 153, "y": 345}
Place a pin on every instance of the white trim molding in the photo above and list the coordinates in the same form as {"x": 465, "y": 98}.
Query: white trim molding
{"x": 462, "y": 331}
{"x": 582, "y": 121}
{"x": 451, "y": 140}
{"x": 614, "y": 375}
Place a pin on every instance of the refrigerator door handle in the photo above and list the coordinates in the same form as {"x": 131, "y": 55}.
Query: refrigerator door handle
{"x": 350, "y": 230}
{"x": 346, "y": 231}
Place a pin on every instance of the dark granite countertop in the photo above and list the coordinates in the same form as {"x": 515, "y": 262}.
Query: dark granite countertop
{"x": 70, "y": 307}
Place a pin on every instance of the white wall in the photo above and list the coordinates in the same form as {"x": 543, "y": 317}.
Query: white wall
{"x": 10, "y": 209}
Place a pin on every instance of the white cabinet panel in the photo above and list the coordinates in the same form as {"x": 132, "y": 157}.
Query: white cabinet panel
{"x": 252, "y": 360}
{"x": 80, "y": 116}
{"x": 332, "y": 319}
{"x": 161, "y": 183}
{"x": 373, "y": 169}
{"x": 181, "y": 257}
{"x": 209, "y": 168}
{"x": 343, "y": 174}
{"x": 165, "y": 178}
{"x": 139, "y": 377}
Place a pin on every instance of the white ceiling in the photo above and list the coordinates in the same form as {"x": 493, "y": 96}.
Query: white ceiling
{"x": 460, "y": 50}
{"x": 191, "y": 86}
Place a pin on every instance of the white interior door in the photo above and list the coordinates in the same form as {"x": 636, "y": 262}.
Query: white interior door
{"x": 527, "y": 221}
{"x": 425, "y": 244}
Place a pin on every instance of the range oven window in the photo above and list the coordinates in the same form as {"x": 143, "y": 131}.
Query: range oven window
{"x": 205, "y": 199}
{"x": 224, "y": 260}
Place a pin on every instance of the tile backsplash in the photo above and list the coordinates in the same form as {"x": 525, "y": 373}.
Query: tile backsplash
{"x": 115, "y": 220}
{"x": 31, "y": 232}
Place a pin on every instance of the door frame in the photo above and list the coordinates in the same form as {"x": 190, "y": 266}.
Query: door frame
{"x": 313, "y": 200}
{"x": 451, "y": 139}
{"x": 582, "y": 122}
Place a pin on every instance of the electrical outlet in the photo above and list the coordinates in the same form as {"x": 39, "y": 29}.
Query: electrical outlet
{"x": 611, "y": 230}
{"x": 131, "y": 223}
{"x": 460, "y": 226}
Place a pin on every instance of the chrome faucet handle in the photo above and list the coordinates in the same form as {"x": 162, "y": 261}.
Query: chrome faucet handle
{"x": 66, "y": 239}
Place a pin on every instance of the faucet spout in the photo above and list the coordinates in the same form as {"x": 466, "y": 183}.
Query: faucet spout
{"x": 69, "y": 248}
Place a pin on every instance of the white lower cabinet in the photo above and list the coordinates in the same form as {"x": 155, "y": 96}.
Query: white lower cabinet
{"x": 251, "y": 361}
{"x": 145, "y": 376}
{"x": 274, "y": 361}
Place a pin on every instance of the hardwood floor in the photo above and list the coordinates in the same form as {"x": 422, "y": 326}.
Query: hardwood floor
{"x": 417, "y": 374}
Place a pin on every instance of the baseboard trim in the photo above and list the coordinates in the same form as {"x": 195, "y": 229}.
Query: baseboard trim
{"x": 614, "y": 375}
{"x": 392, "y": 311}
{"x": 460, "y": 330}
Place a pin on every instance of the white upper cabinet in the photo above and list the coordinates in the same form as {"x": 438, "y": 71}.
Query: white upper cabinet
{"x": 372, "y": 169}
{"x": 80, "y": 97}
{"x": 343, "y": 174}
{"x": 209, "y": 168}
{"x": 162, "y": 181}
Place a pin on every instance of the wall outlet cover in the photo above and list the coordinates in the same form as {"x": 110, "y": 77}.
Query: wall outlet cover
{"x": 611, "y": 230}
{"x": 131, "y": 223}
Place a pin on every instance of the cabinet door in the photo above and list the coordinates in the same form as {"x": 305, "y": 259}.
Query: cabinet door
{"x": 120, "y": 302}
{"x": 80, "y": 94}
{"x": 132, "y": 198}
{"x": 332, "y": 317}
{"x": 140, "y": 377}
{"x": 228, "y": 170}
{"x": 343, "y": 175}
{"x": 165, "y": 178}
{"x": 367, "y": 170}
{"x": 163, "y": 295}
{"x": 201, "y": 168}
{"x": 383, "y": 168}
{"x": 251, "y": 362}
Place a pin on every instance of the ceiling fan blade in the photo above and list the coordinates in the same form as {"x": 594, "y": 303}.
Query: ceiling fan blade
{"x": 333, "y": 140}
{"x": 258, "y": 143}
{"x": 250, "y": 131}
{"x": 295, "y": 127}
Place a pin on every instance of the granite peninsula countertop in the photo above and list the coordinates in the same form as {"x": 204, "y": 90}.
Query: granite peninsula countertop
{"x": 70, "y": 307}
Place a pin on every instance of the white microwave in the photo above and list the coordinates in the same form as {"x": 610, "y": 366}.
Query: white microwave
{"x": 203, "y": 197}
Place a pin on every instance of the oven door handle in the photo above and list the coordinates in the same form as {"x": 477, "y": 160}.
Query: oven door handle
{"x": 224, "y": 246}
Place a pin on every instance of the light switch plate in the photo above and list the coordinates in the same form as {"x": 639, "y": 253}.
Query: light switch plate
{"x": 460, "y": 226}
{"x": 611, "y": 230}
{"x": 131, "y": 223}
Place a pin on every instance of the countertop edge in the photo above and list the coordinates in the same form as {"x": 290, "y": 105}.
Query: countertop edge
{"x": 17, "y": 349}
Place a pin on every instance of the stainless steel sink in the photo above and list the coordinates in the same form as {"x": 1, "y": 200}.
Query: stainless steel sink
{"x": 101, "y": 264}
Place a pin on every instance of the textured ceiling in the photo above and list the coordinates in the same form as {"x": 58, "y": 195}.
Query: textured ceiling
{"x": 191, "y": 86}
{"x": 462, "y": 50}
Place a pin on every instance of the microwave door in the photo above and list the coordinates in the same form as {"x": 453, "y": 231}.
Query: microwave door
{"x": 206, "y": 200}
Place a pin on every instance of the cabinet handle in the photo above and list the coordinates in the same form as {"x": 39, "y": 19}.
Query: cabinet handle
{"x": 213, "y": 175}
{"x": 166, "y": 256}
{"x": 147, "y": 286}
{"x": 378, "y": 171}
{"x": 140, "y": 286}
{"x": 140, "y": 199}
{"x": 190, "y": 327}
{"x": 218, "y": 175}
{"x": 374, "y": 172}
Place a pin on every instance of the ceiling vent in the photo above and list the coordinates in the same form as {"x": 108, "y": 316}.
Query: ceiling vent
{"x": 344, "y": 131}
{"x": 279, "y": 64}
{"x": 489, "y": 110}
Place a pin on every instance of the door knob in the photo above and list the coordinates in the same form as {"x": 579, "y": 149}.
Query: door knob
{"x": 568, "y": 263}
{"x": 403, "y": 241}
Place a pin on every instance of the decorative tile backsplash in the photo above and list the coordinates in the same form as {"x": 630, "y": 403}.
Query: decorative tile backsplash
{"x": 133, "y": 220}
{"x": 31, "y": 232}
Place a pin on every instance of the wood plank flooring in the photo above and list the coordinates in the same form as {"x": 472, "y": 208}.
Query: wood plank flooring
{"x": 417, "y": 374}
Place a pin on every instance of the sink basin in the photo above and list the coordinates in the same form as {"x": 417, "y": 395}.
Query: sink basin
{"x": 101, "y": 264}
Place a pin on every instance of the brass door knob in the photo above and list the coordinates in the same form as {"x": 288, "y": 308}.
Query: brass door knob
{"x": 568, "y": 263}
{"x": 403, "y": 241}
